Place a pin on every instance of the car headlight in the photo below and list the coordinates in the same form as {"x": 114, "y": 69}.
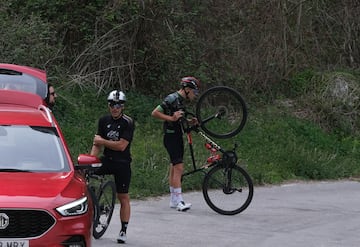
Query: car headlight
{"x": 77, "y": 207}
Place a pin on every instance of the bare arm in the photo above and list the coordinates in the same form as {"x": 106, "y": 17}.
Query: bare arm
{"x": 160, "y": 115}
{"x": 95, "y": 150}
{"x": 99, "y": 142}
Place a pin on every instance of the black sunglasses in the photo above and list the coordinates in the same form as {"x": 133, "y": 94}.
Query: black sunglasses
{"x": 116, "y": 105}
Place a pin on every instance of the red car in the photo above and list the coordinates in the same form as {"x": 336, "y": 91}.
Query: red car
{"x": 23, "y": 78}
{"x": 44, "y": 200}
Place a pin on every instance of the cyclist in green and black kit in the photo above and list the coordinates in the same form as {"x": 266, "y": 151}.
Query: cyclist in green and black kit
{"x": 171, "y": 110}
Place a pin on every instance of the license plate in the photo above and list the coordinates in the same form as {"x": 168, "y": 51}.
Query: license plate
{"x": 14, "y": 243}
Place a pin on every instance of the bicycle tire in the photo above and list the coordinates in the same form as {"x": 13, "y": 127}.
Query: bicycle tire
{"x": 95, "y": 207}
{"x": 106, "y": 201}
{"x": 221, "y": 198}
{"x": 221, "y": 112}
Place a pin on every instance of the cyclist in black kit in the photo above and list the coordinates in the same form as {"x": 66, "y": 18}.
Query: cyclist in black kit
{"x": 171, "y": 110}
{"x": 114, "y": 135}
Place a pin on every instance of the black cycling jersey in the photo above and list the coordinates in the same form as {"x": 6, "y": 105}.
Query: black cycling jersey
{"x": 114, "y": 129}
{"x": 172, "y": 103}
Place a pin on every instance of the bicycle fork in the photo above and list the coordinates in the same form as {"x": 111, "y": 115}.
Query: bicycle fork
{"x": 229, "y": 188}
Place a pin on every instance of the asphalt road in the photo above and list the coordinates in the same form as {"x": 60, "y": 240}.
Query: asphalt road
{"x": 322, "y": 214}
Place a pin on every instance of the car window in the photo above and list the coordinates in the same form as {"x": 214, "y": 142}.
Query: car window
{"x": 31, "y": 149}
{"x": 13, "y": 80}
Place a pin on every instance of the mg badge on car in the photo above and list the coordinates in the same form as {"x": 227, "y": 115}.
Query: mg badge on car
{"x": 4, "y": 221}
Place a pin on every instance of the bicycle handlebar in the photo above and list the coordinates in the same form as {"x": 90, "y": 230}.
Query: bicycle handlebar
{"x": 218, "y": 115}
{"x": 188, "y": 128}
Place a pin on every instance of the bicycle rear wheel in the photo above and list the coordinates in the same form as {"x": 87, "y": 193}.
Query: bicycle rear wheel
{"x": 106, "y": 201}
{"x": 221, "y": 112}
{"x": 228, "y": 191}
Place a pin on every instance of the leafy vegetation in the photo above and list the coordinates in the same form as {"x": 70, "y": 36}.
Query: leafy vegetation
{"x": 275, "y": 145}
{"x": 296, "y": 64}
{"x": 144, "y": 45}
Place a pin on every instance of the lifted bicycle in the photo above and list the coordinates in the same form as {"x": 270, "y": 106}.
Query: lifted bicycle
{"x": 227, "y": 188}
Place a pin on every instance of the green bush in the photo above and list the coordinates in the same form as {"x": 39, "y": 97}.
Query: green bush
{"x": 330, "y": 99}
{"x": 29, "y": 41}
{"x": 275, "y": 145}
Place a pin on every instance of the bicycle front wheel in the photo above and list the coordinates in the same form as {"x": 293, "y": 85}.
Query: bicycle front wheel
{"x": 106, "y": 201}
{"x": 95, "y": 206}
{"x": 228, "y": 191}
{"x": 221, "y": 112}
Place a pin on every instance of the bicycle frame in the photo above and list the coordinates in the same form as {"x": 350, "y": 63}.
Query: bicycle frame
{"x": 212, "y": 145}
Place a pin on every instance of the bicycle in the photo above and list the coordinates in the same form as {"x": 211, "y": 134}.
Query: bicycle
{"x": 103, "y": 195}
{"x": 221, "y": 112}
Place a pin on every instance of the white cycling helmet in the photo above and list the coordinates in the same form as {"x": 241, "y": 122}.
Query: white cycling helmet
{"x": 117, "y": 96}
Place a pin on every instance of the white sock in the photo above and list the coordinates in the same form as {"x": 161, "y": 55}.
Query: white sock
{"x": 178, "y": 195}
{"x": 172, "y": 194}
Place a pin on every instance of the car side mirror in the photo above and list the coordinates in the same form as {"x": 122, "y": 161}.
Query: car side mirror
{"x": 87, "y": 161}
